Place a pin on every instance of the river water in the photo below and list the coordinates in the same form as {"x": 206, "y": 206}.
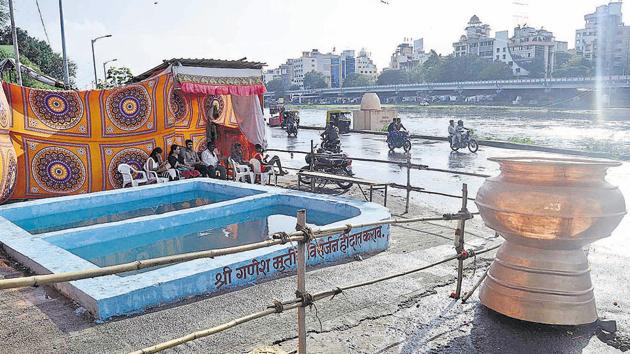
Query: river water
{"x": 574, "y": 129}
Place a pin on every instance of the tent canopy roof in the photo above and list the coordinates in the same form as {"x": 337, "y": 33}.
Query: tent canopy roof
{"x": 204, "y": 63}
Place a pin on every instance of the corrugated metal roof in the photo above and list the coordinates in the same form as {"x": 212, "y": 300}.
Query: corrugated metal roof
{"x": 201, "y": 62}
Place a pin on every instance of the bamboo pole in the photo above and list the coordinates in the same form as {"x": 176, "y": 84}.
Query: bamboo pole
{"x": 408, "y": 183}
{"x": 131, "y": 266}
{"x": 289, "y": 305}
{"x": 312, "y": 166}
{"x": 301, "y": 283}
{"x": 185, "y": 257}
{"x": 472, "y": 291}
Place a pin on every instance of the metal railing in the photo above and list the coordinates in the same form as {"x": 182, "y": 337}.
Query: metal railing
{"x": 408, "y": 165}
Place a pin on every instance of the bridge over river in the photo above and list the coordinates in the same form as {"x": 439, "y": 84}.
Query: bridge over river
{"x": 546, "y": 85}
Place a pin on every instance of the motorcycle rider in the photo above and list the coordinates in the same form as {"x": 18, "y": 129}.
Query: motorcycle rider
{"x": 392, "y": 130}
{"x": 399, "y": 125}
{"x": 291, "y": 121}
{"x": 330, "y": 137}
{"x": 459, "y": 132}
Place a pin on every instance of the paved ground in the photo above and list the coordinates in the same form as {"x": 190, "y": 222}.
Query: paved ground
{"x": 404, "y": 315}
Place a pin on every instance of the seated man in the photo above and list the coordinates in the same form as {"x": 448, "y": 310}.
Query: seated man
{"x": 452, "y": 130}
{"x": 237, "y": 155}
{"x": 210, "y": 158}
{"x": 267, "y": 162}
{"x": 188, "y": 157}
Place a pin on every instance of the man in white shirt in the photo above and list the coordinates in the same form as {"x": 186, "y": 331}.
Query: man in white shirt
{"x": 210, "y": 158}
{"x": 452, "y": 131}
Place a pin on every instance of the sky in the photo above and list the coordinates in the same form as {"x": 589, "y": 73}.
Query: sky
{"x": 144, "y": 32}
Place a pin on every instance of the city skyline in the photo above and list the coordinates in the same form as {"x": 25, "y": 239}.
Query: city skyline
{"x": 144, "y": 33}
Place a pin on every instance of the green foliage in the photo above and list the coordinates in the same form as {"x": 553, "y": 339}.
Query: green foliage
{"x": 572, "y": 65}
{"x": 4, "y": 13}
{"x": 393, "y": 77}
{"x": 39, "y": 52}
{"x": 6, "y": 51}
{"x": 521, "y": 140}
{"x": 314, "y": 80}
{"x": 356, "y": 79}
{"x": 463, "y": 68}
{"x": 496, "y": 70}
{"x": 275, "y": 85}
{"x": 116, "y": 76}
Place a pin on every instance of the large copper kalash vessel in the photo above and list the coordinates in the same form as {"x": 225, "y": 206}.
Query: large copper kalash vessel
{"x": 547, "y": 209}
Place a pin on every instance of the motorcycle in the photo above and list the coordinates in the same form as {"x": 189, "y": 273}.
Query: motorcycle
{"x": 292, "y": 129}
{"x": 466, "y": 141}
{"x": 328, "y": 162}
{"x": 333, "y": 146}
{"x": 399, "y": 140}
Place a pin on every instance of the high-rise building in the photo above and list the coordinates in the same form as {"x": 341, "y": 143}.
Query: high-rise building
{"x": 503, "y": 53}
{"x": 406, "y": 56}
{"x": 365, "y": 65}
{"x": 476, "y": 40}
{"x": 334, "y": 67}
{"x": 533, "y": 49}
{"x": 605, "y": 39}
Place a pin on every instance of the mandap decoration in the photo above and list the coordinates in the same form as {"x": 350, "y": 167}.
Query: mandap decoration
{"x": 68, "y": 142}
{"x": 547, "y": 209}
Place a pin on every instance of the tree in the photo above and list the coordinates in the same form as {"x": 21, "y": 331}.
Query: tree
{"x": 572, "y": 65}
{"x": 116, "y": 77}
{"x": 275, "y": 85}
{"x": 6, "y": 51}
{"x": 4, "y": 13}
{"x": 393, "y": 77}
{"x": 459, "y": 68}
{"x": 356, "y": 79}
{"x": 314, "y": 80}
{"x": 497, "y": 70}
{"x": 40, "y": 53}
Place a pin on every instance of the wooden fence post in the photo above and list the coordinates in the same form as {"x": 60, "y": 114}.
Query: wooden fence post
{"x": 301, "y": 282}
{"x": 459, "y": 242}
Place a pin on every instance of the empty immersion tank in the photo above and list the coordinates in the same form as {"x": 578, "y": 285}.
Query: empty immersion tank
{"x": 547, "y": 209}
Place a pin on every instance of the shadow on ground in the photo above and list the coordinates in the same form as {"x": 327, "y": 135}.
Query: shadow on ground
{"x": 496, "y": 333}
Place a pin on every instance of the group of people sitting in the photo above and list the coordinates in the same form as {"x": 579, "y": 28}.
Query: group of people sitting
{"x": 183, "y": 162}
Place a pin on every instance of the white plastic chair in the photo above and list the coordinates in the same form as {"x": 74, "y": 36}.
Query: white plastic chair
{"x": 265, "y": 176}
{"x": 153, "y": 176}
{"x": 241, "y": 172}
{"x": 127, "y": 173}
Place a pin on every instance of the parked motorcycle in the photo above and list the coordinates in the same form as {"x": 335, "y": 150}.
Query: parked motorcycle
{"x": 399, "y": 140}
{"x": 466, "y": 141}
{"x": 292, "y": 128}
{"x": 328, "y": 162}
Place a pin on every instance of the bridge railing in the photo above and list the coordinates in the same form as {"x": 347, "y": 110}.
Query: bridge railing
{"x": 429, "y": 85}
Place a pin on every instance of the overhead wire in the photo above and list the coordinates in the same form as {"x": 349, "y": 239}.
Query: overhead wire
{"x": 41, "y": 18}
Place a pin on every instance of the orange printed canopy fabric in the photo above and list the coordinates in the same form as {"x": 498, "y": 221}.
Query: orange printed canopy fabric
{"x": 68, "y": 142}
